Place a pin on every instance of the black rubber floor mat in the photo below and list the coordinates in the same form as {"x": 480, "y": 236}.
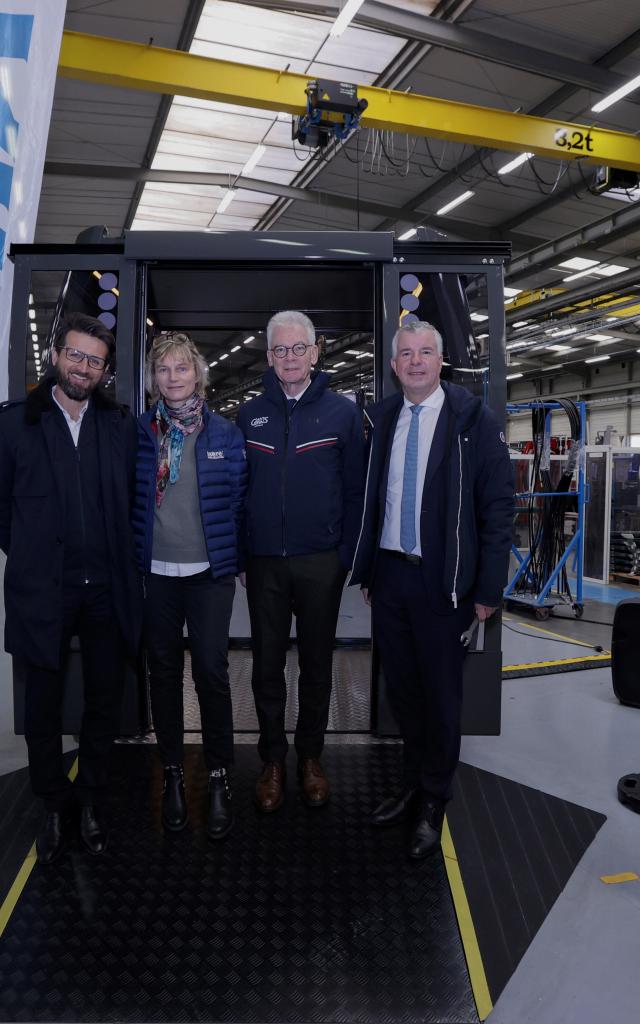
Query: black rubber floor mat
{"x": 304, "y": 915}
{"x": 517, "y": 847}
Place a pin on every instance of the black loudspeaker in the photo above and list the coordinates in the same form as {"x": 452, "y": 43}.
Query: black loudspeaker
{"x": 625, "y": 652}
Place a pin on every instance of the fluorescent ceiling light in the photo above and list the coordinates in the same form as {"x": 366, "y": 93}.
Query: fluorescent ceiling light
{"x": 579, "y": 263}
{"x": 512, "y": 376}
{"x": 618, "y": 94}
{"x": 520, "y": 323}
{"x": 559, "y": 348}
{"x": 365, "y": 355}
{"x": 254, "y": 159}
{"x": 485, "y": 336}
{"x": 214, "y": 363}
{"x": 347, "y": 14}
{"x": 32, "y": 314}
{"x": 353, "y": 352}
{"x": 511, "y": 292}
{"x": 597, "y": 359}
{"x": 563, "y": 330}
{"x": 581, "y": 273}
{"x": 30, "y": 299}
{"x": 515, "y": 364}
{"x": 329, "y": 370}
{"x": 609, "y": 269}
{"x": 454, "y": 202}
{"x": 246, "y": 341}
{"x": 600, "y": 337}
{"x": 225, "y": 355}
{"x": 612, "y": 317}
{"x": 554, "y": 366}
{"x": 336, "y": 365}
{"x": 227, "y": 199}
{"x": 236, "y": 348}
{"x": 407, "y": 234}
{"x": 517, "y": 162}
{"x": 479, "y": 317}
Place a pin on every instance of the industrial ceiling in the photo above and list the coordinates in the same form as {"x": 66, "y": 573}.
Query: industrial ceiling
{"x": 214, "y": 166}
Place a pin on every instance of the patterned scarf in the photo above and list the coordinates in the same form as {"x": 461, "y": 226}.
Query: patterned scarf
{"x": 172, "y": 424}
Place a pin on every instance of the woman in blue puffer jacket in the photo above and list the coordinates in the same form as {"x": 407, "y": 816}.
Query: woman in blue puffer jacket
{"x": 188, "y": 511}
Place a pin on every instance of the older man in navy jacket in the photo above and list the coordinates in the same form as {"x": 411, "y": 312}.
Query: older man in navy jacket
{"x": 433, "y": 552}
{"x": 305, "y": 451}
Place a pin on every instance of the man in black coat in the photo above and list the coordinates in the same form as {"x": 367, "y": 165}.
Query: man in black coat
{"x": 67, "y": 464}
{"x": 433, "y": 552}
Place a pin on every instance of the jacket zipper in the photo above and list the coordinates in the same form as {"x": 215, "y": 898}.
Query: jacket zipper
{"x": 454, "y": 596}
{"x": 83, "y": 528}
{"x": 283, "y": 478}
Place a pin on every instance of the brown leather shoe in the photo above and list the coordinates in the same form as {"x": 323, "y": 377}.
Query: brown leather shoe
{"x": 270, "y": 787}
{"x": 315, "y": 785}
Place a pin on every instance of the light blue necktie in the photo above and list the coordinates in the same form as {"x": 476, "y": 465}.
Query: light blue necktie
{"x": 408, "y": 504}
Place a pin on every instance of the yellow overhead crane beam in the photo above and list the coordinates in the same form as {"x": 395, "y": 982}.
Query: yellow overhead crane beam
{"x": 151, "y": 68}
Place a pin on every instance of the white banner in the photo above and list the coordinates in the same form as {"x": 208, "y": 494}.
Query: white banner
{"x": 30, "y": 36}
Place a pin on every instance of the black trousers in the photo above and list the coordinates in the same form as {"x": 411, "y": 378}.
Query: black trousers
{"x": 205, "y": 605}
{"x": 89, "y": 614}
{"x": 422, "y": 659}
{"x": 309, "y": 587}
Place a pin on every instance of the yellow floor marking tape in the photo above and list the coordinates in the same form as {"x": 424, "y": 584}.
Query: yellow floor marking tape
{"x": 539, "y": 629}
{"x": 624, "y": 876}
{"x": 22, "y": 877}
{"x": 560, "y": 661}
{"x": 465, "y": 923}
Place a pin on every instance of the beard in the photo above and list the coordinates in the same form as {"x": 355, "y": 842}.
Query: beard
{"x": 75, "y": 390}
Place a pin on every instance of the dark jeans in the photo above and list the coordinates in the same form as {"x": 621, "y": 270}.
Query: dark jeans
{"x": 422, "y": 660}
{"x": 309, "y": 586}
{"x": 205, "y": 605}
{"x": 89, "y": 614}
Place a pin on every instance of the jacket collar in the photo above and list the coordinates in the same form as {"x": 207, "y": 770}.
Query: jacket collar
{"x": 40, "y": 401}
{"x": 273, "y": 389}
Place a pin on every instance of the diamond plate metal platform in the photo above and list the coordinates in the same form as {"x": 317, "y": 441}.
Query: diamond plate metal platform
{"x": 350, "y": 698}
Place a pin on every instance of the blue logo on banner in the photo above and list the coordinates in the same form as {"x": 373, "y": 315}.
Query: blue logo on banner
{"x": 15, "y": 39}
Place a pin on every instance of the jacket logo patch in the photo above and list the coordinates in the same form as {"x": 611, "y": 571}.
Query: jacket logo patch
{"x": 502, "y": 437}
{"x": 215, "y": 455}
{"x": 259, "y": 421}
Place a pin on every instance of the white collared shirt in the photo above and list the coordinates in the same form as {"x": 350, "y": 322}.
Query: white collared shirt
{"x": 426, "y": 429}
{"x": 159, "y": 568}
{"x": 74, "y": 425}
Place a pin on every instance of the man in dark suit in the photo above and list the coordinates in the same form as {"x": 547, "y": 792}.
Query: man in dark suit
{"x": 433, "y": 552}
{"x": 67, "y": 465}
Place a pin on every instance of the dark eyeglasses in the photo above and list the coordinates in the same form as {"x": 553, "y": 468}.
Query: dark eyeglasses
{"x": 74, "y": 355}
{"x": 298, "y": 349}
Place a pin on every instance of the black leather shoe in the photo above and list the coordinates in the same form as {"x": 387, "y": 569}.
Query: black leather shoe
{"x": 174, "y": 804}
{"x": 53, "y": 836}
{"x": 220, "y": 816}
{"x": 394, "y": 808}
{"x": 426, "y": 829}
{"x": 92, "y": 832}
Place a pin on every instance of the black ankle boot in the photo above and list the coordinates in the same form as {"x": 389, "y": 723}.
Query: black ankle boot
{"x": 53, "y": 836}
{"x": 174, "y": 805}
{"x": 220, "y": 816}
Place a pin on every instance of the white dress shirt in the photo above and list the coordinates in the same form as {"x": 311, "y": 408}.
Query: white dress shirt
{"x": 74, "y": 425}
{"x": 427, "y": 420}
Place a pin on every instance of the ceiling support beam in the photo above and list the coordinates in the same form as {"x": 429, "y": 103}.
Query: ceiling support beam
{"x": 621, "y": 284}
{"x": 612, "y": 226}
{"x": 153, "y": 69}
{"x": 110, "y": 172}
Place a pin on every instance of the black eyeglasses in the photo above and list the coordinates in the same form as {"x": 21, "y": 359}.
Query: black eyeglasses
{"x": 298, "y": 349}
{"x": 74, "y": 355}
